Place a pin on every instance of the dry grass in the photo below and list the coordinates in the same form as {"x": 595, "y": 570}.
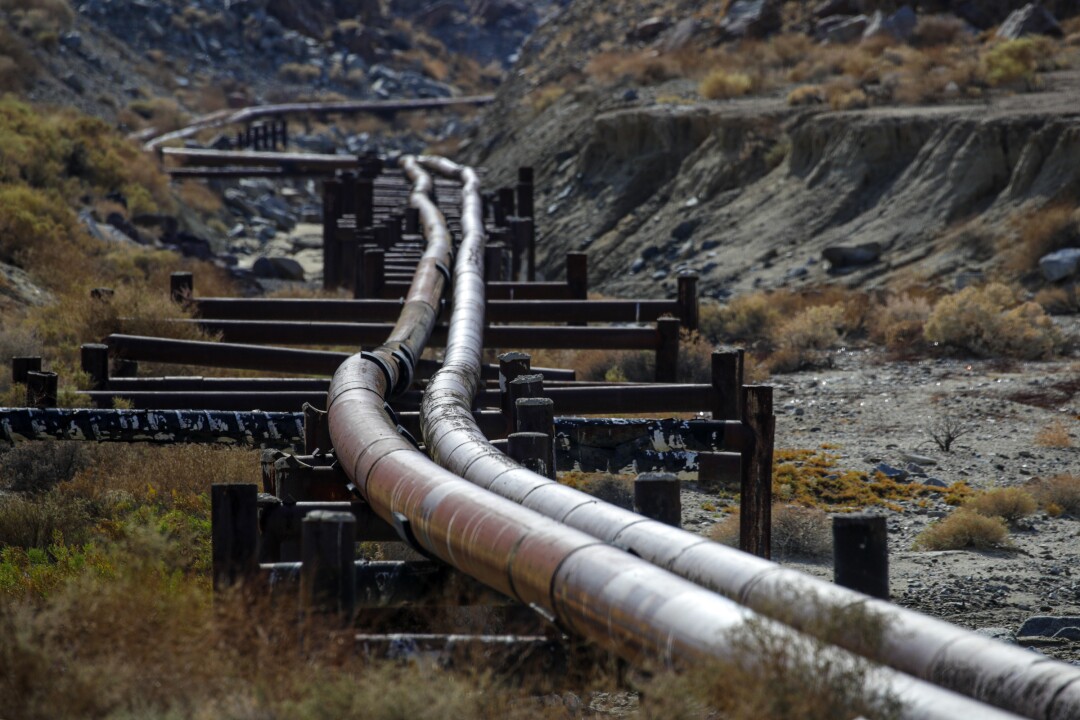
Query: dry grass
{"x": 299, "y": 73}
{"x": 1037, "y": 233}
{"x": 963, "y": 529}
{"x": 799, "y": 340}
{"x": 898, "y": 324}
{"x": 1059, "y": 300}
{"x": 797, "y": 532}
{"x": 722, "y": 84}
{"x": 1053, "y": 435}
{"x": 1010, "y": 504}
{"x": 990, "y": 322}
{"x": 1014, "y": 63}
{"x": 544, "y": 97}
{"x": 198, "y": 197}
{"x": 1058, "y": 494}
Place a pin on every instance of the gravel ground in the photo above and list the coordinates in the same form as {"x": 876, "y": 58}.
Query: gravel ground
{"x": 872, "y": 410}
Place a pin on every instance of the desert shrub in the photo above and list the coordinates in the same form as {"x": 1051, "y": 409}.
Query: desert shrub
{"x": 1059, "y": 300}
{"x": 160, "y": 112}
{"x": 1010, "y": 504}
{"x": 1039, "y": 232}
{"x": 721, "y": 84}
{"x": 961, "y": 530}
{"x": 37, "y": 467}
{"x": 746, "y": 317}
{"x": 1058, "y": 492}
{"x": 1015, "y": 62}
{"x": 544, "y": 97}
{"x": 35, "y": 523}
{"x": 642, "y": 68}
{"x": 988, "y": 321}
{"x": 898, "y": 323}
{"x": 199, "y": 197}
{"x": 798, "y": 341}
{"x": 806, "y": 95}
{"x": 299, "y": 72}
{"x": 854, "y": 99}
{"x": 797, "y": 532}
{"x": 774, "y": 674}
{"x": 1054, "y": 435}
{"x": 934, "y": 30}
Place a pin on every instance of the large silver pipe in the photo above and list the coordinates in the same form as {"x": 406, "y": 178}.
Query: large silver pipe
{"x": 612, "y": 597}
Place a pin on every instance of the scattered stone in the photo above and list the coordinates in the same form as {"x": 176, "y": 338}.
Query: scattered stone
{"x": 659, "y": 275}
{"x": 1001, "y": 634}
{"x": 679, "y": 36}
{"x": 637, "y": 266}
{"x": 934, "y": 482}
{"x": 918, "y": 459}
{"x": 74, "y": 82}
{"x": 121, "y": 223}
{"x": 827, "y": 8}
{"x": 1060, "y": 265}
{"x": 1032, "y": 19}
{"x": 846, "y": 256}
{"x": 280, "y": 268}
{"x": 685, "y": 229}
{"x": 893, "y": 473}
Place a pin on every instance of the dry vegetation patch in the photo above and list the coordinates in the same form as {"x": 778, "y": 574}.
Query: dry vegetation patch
{"x": 1010, "y": 504}
{"x": 797, "y": 532}
{"x": 964, "y": 529}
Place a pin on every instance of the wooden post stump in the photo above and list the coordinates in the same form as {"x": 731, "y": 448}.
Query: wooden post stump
{"x": 95, "y": 363}
{"x": 328, "y": 573}
{"x": 234, "y": 532}
{"x": 755, "y": 507}
{"x": 861, "y": 553}
{"x": 41, "y": 389}
{"x": 537, "y": 415}
{"x": 532, "y": 450}
{"x": 667, "y": 349}
{"x": 181, "y": 286}
{"x": 656, "y": 496}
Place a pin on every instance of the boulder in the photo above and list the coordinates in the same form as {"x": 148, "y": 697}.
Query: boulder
{"x": 122, "y": 224}
{"x": 848, "y": 256}
{"x": 1032, "y": 19}
{"x": 1060, "y": 265}
{"x": 751, "y": 18}
{"x": 1046, "y": 626}
{"x": 278, "y": 268}
{"x": 900, "y": 25}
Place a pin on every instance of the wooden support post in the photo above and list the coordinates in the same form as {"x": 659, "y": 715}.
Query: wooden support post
{"x": 577, "y": 275}
{"x": 284, "y": 134}
{"x": 240, "y": 140}
{"x": 861, "y": 553}
{"x": 374, "y": 277}
{"x": 525, "y": 192}
{"x": 412, "y": 221}
{"x": 688, "y": 300}
{"x": 328, "y": 573}
{"x": 234, "y": 532}
{"x": 273, "y": 135}
{"x": 41, "y": 389}
{"x": 331, "y": 251}
{"x": 21, "y": 365}
{"x": 667, "y": 349}
{"x": 727, "y": 382}
{"x": 384, "y": 236}
{"x": 519, "y": 246}
{"x": 95, "y": 363}
{"x": 506, "y": 202}
{"x": 719, "y": 471}
{"x": 365, "y": 202}
{"x": 537, "y": 415}
{"x": 493, "y": 262}
{"x": 532, "y": 450}
{"x": 316, "y": 430}
{"x": 755, "y": 507}
{"x": 350, "y": 259}
{"x": 523, "y": 386}
{"x": 511, "y": 366}
{"x": 181, "y": 287}
{"x": 656, "y": 496}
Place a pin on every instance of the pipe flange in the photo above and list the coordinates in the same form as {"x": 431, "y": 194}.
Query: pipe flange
{"x": 405, "y": 370}
{"x": 388, "y": 372}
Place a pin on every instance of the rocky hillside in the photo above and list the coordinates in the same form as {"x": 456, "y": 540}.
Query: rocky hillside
{"x": 869, "y": 157}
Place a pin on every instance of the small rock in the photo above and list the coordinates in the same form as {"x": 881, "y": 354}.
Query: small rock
{"x": 934, "y": 482}
{"x": 630, "y": 95}
{"x": 659, "y": 275}
{"x": 72, "y": 40}
{"x": 685, "y": 229}
{"x": 679, "y": 36}
{"x": 918, "y": 459}
{"x": 1000, "y": 634}
{"x": 893, "y": 473}
{"x": 1060, "y": 265}
{"x": 647, "y": 30}
{"x": 637, "y": 266}
{"x": 74, "y": 82}
{"x": 1032, "y": 19}
{"x": 834, "y": 7}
